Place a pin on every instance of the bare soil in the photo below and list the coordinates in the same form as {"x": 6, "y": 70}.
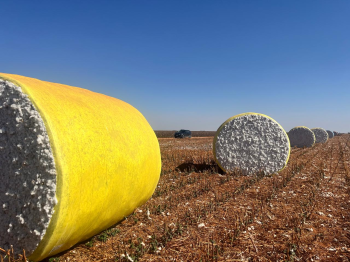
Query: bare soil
{"x": 198, "y": 213}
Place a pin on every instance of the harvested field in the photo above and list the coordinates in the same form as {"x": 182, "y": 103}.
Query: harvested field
{"x": 197, "y": 213}
{"x": 170, "y": 134}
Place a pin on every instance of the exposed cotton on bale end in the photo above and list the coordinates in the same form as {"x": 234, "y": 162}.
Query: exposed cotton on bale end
{"x": 320, "y": 134}
{"x": 251, "y": 142}
{"x": 27, "y": 173}
{"x": 330, "y": 134}
{"x": 73, "y": 163}
{"x": 301, "y": 136}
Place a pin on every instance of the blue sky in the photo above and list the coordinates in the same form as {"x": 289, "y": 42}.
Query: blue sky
{"x": 191, "y": 64}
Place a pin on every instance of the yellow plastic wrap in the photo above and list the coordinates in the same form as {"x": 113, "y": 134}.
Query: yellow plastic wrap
{"x": 107, "y": 160}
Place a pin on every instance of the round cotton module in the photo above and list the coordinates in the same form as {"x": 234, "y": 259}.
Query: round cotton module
{"x": 301, "y": 136}
{"x": 73, "y": 163}
{"x": 251, "y": 142}
{"x": 320, "y": 134}
{"x": 330, "y": 134}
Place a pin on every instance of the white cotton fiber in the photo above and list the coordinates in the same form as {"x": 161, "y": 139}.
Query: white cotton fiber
{"x": 27, "y": 173}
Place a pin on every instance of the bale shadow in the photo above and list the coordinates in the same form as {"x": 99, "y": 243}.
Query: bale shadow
{"x": 200, "y": 168}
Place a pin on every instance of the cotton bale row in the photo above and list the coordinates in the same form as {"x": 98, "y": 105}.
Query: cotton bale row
{"x": 251, "y": 142}
{"x": 301, "y": 136}
{"x": 73, "y": 163}
{"x": 320, "y": 134}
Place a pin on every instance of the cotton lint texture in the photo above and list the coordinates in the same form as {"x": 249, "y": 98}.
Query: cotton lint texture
{"x": 252, "y": 143}
{"x": 330, "y": 134}
{"x": 320, "y": 134}
{"x": 301, "y": 136}
{"x": 27, "y": 173}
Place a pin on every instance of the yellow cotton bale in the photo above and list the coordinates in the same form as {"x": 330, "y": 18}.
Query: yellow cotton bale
{"x": 74, "y": 163}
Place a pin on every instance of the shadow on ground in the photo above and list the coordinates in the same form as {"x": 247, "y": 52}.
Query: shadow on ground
{"x": 190, "y": 167}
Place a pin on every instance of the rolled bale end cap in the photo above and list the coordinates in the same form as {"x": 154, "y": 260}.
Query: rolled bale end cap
{"x": 73, "y": 163}
{"x": 28, "y": 172}
{"x": 320, "y": 134}
{"x": 301, "y": 136}
{"x": 330, "y": 134}
{"x": 251, "y": 142}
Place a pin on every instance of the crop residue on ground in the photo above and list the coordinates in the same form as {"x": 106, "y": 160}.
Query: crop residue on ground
{"x": 198, "y": 213}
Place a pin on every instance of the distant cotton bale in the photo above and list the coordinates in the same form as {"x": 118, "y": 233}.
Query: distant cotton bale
{"x": 330, "y": 134}
{"x": 320, "y": 134}
{"x": 301, "y": 136}
{"x": 251, "y": 142}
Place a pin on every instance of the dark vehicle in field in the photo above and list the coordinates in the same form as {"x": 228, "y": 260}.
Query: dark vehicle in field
{"x": 183, "y": 133}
